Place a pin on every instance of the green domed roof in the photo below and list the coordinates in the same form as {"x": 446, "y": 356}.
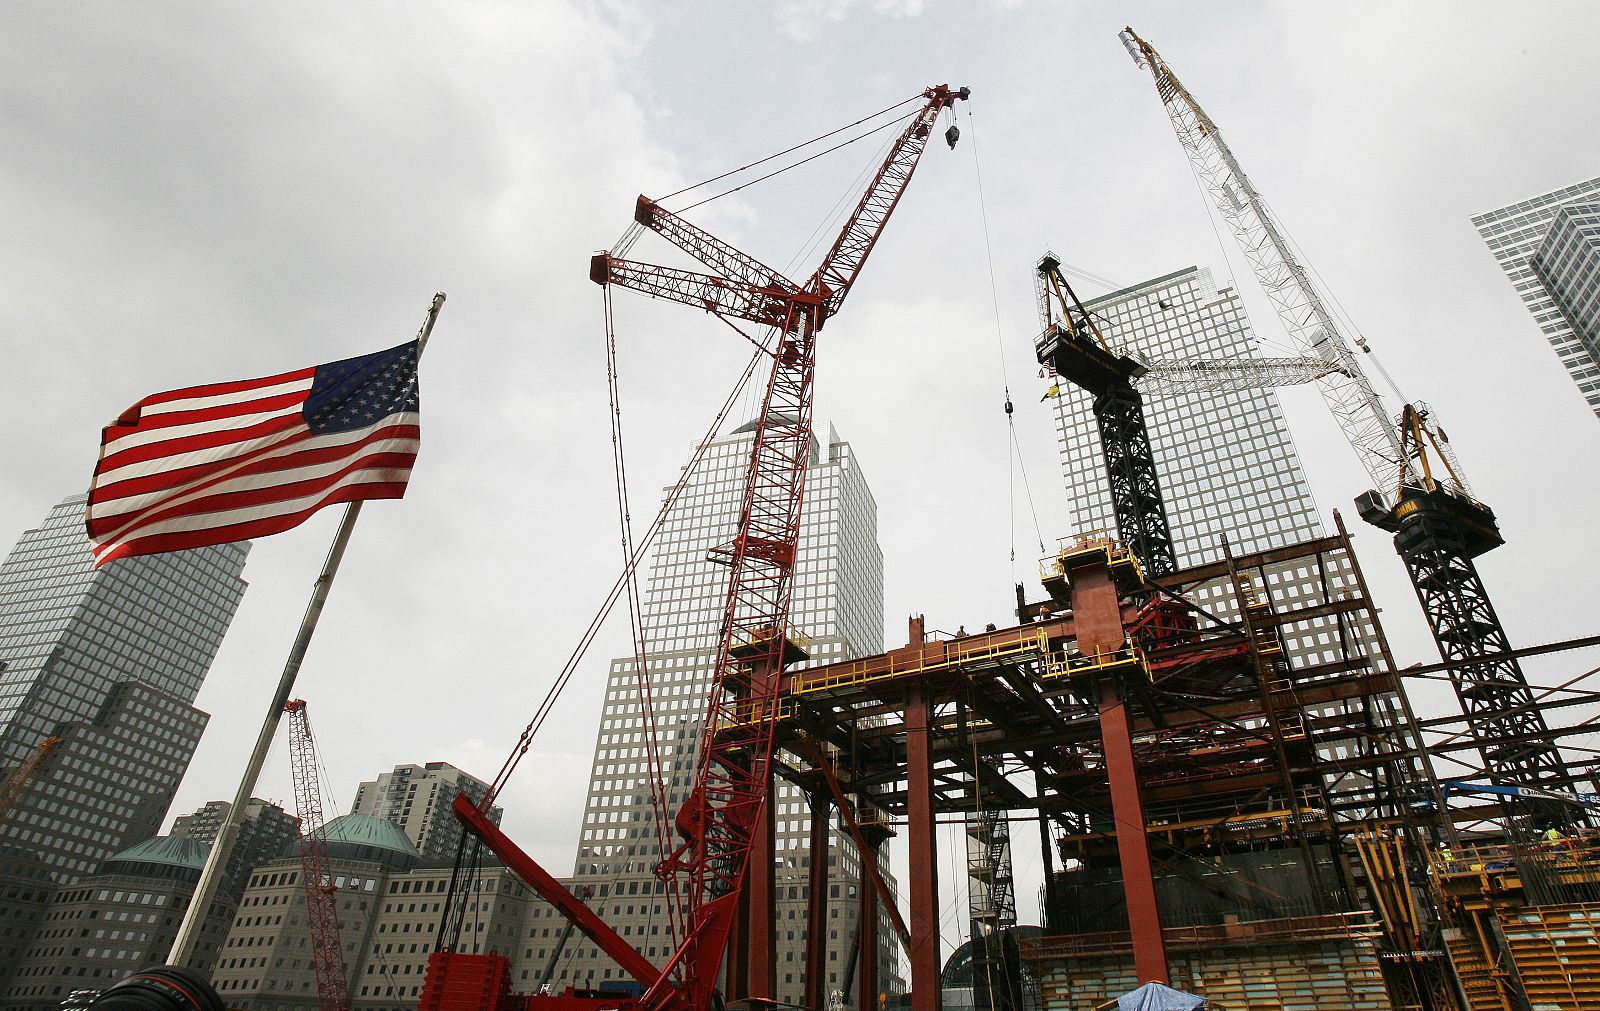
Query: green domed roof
{"x": 364, "y": 830}
{"x": 172, "y": 850}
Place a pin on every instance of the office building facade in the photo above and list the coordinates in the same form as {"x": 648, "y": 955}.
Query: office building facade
{"x": 265, "y": 961}
{"x": 1549, "y": 248}
{"x": 1226, "y": 461}
{"x": 417, "y": 798}
{"x": 1228, "y": 469}
{"x": 837, "y": 604}
{"x": 265, "y": 831}
{"x": 391, "y": 903}
{"x": 113, "y": 923}
{"x": 110, "y": 660}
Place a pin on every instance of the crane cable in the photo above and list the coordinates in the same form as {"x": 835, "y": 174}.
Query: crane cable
{"x": 794, "y": 148}
{"x": 652, "y": 750}
{"x": 809, "y": 158}
{"x": 592, "y": 630}
{"x": 1014, "y": 458}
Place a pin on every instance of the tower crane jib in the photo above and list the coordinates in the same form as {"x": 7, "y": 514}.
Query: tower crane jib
{"x": 1370, "y": 429}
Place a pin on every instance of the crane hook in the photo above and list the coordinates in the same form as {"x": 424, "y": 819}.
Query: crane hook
{"x": 952, "y": 134}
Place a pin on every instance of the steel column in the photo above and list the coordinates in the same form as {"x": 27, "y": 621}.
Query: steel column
{"x": 924, "y": 870}
{"x": 762, "y": 886}
{"x": 867, "y": 934}
{"x": 1133, "y": 847}
{"x": 817, "y": 899}
{"x": 1098, "y": 616}
{"x": 736, "y": 966}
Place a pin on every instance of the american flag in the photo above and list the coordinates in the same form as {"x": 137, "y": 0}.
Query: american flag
{"x": 233, "y": 461}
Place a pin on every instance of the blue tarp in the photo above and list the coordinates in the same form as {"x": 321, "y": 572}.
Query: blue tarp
{"x": 1155, "y": 997}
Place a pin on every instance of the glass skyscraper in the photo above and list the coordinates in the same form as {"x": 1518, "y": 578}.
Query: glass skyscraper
{"x": 837, "y": 603}
{"x": 1225, "y": 458}
{"x": 1227, "y": 467}
{"x": 110, "y": 661}
{"x": 1549, "y": 246}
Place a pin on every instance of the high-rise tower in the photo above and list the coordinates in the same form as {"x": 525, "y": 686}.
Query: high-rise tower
{"x": 110, "y": 660}
{"x": 838, "y": 604}
{"x": 265, "y": 831}
{"x": 1549, "y": 246}
{"x": 1226, "y": 461}
{"x": 417, "y": 798}
{"x": 1225, "y": 458}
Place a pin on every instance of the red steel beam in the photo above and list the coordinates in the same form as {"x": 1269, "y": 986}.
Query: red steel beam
{"x": 867, "y": 939}
{"x": 817, "y": 900}
{"x": 924, "y": 869}
{"x": 869, "y": 858}
{"x": 551, "y": 890}
{"x": 1099, "y": 621}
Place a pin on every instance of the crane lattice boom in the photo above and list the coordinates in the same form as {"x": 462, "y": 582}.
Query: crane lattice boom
{"x": 1356, "y": 406}
{"x": 719, "y": 822}
{"x": 316, "y": 877}
{"x": 16, "y": 784}
{"x": 1218, "y": 375}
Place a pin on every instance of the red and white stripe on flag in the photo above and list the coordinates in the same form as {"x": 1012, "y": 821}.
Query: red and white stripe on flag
{"x": 240, "y": 460}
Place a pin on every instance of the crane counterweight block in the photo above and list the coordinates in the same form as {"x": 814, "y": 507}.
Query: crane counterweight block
{"x": 644, "y": 210}
{"x": 1076, "y": 357}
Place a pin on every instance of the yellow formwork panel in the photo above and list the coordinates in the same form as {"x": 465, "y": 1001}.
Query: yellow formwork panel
{"x": 1557, "y": 954}
{"x": 1333, "y": 975}
{"x": 1474, "y": 973}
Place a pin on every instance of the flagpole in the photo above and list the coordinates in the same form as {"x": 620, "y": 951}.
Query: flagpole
{"x": 205, "y": 890}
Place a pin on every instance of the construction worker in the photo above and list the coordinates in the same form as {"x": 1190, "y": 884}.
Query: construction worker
{"x": 1447, "y": 859}
{"x": 1553, "y": 836}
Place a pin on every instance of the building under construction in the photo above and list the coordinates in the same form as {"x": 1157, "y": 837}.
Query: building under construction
{"x": 1263, "y": 836}
{"x": 1211, "y": 743}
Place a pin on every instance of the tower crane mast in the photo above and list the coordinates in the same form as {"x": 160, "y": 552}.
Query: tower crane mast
{"x": 1073, "y": 346}
{"x": 1439, "y": 527}
{"x": 316, "y": 877}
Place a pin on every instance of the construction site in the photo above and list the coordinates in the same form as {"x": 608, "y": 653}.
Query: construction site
{"x": 1218, "y": 763}
{"x": 1213, "y": 754}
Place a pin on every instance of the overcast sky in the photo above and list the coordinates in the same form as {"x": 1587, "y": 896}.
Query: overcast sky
{"x": 195, "y": 193}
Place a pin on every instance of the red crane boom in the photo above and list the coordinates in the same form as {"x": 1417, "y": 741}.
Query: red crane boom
{"x": 322, "y": 912}
{"x": 718, "y": 820}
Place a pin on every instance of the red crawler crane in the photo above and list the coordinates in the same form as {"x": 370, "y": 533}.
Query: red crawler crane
{"x": 719, "y": 823}
{"x": 322, "y": 913}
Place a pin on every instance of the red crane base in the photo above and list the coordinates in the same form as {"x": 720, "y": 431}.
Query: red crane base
{"x": 461, "y": 982}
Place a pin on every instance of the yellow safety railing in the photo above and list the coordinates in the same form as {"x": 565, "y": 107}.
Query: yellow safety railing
{"x": 957, "y": 654}
{"x": 1071, "y": 663}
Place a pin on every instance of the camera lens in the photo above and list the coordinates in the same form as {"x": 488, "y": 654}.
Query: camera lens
{"x": 163, "y": 988}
